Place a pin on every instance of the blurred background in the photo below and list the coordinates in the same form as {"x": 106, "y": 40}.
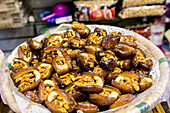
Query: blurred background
{"x": 23, "y": 19}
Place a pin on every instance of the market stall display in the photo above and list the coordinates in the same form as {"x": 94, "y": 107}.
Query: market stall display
{"x": 13, "y": 14}
{"x": 95, "y": 10}
{"x": 142, "y": 100}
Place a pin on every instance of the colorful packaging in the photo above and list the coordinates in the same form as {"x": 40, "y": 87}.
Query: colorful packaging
{"x": 94, "y": 10}
{"x": 60, "y": 19}
{"x": 103, "y": 14}
{"x": 145, "y": 32}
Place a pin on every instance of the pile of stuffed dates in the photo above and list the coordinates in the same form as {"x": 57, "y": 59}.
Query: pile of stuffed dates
{"x": 82, "y": 70}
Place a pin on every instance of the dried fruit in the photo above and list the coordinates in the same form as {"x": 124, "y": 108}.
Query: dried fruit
{"x": 110, "y": 41}
{"x": 75, "y": 93}
{"x": 82, "y": 71}
{"x": 54, "y": 40}
{"x": 18, "y": 64}
{"x": 125, "y": 51}
{"x": 147, "y": 65}
{"x": 45, "y": 70}
{"x": 35, "y": 45}
{"x": 126, "y": 82}
{"x": 65, "y": 79}
{"x": 100, "y": 32}
{"x": 60, "y": 60}
{"x": 89, "y": 82}
{"x": 32, "y": 95}
{"x": 124, "y": 99}
{"x": 81, "y": 28}
{"x": 59, "y": 101}
{"x": 25, "y": 53}
{"x": 145, "y": 83}
{"x": 86, "y": 60}
{"x": 107, "y": 59}
{"x": 139, "y": 57}
{"x": 92, "y": 49}
{"x": 94, "y": 39}
{"x": 45, "y": 88}
{"x": 106, "y": 97}
{"x": 86, "y": 107}
{"x": 27, "y": 78}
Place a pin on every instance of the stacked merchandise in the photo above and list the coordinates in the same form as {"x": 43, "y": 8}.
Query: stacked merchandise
{"x": 146, "y": 9}
{"x": 140, "y": 8}
{"x": 94, "y": 10}
{"x": 154, "y": 33}
{"x": 11, "y": 14}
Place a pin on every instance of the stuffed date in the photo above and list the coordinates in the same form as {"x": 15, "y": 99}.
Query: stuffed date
{"x": 25, "y": 53}
{"x": 59, "y": 101}
{"x": 27, "y": 78}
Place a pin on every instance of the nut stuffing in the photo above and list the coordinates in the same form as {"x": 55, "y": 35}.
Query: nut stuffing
{"x": 82, "y": 70}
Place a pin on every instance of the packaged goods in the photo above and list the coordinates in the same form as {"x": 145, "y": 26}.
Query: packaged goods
{"x": 130, "y": 3}
{"x": 95, "y": 10}
{"x": 131, "y": 12}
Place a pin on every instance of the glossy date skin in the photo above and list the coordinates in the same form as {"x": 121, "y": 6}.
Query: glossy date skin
{"x": 60, "y": 60}
{"x": 25, "y": 53}
{"x": 107, "y": 59}
{"x": 45, "y": 70}
{"x": 45, "y": 87}
{"x": 27, "y": 78}
{"x": 110, "y": 41}
{"x": 90, "y": 83}
{"x": 124, "y": 99}
{"x": 75, "y": 92}
{"x": 86, "y": 107}
{"x": 81, "y": 28}
{"x": 19, "y": 63}
{"x": 129, "y": 43}
{"x": 58, "y": 96}
{"x": 32, "y": 95}
{"x": 125, "y": 51}
{"x": 127, "y": 64}
{"x": 106, "y": 97}
{"x": 35, "y": 45}
{"x": 54, "y": 40}
{"x": 86, "y": 61}
{"x": 139, "y": 57}
{"x": 147, "y": 65}
{"x": 126, "y": 82}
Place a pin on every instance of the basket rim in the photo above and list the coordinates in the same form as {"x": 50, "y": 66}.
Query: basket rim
{"x": 148, "y": 102}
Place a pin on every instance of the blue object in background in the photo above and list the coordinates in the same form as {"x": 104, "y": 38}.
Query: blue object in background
{"x": 46, "y": 12}
{"x": 58, "y": 9}
{"x": 65, "y": 17}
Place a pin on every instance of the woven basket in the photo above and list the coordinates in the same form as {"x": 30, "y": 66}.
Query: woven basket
{"x": 144, "y": 101}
